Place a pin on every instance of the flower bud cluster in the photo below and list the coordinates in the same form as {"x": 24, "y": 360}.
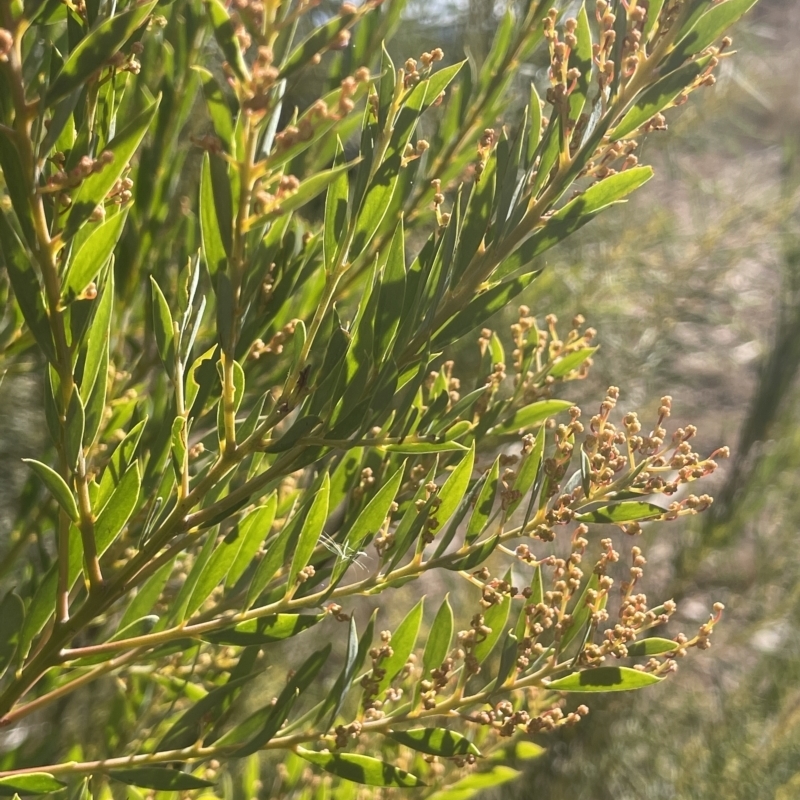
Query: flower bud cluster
{"x": 563, "y": 78}
{"x": 62, "y": 180}
{"x": 275, "y": 344}
{"x": 555, "y": 718}
{"x": 127, "y": 62}
{"x": 372, "y": 679}
{"x": 269, "y": 202}
{"x": 412, "y": 68}
{"x": 537, "y": 351}
{"x": 319, "y": 113}
{"x": 439, "y": 678}
{"x": 485, "y": 146}
{"x": 6, "y": 43}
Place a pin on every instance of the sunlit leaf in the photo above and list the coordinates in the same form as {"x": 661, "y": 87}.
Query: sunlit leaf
{"x": 436, "y": 742}
{"x": 438, "y": 645}
{"x": 604, "y": 679}
{"x": 30, "y": 783}
{"x": 360, "y": 769}
{"x": 159, "y": 778}
{"x": 264, "y": 630}
{"x": 58, "y": 487}
{"x": 654, "y": 646}
{"x": 92, "y": 256}
{"x": 93, "y": 190}
{"x": 225, "y": 34}
{"x": 12, "y": 615}
{"x": 627, "y": 511}
{"x": 95, "y": 50}
{"x": 534, "y": 414}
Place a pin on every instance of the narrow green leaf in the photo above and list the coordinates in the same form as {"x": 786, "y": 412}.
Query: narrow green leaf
{"x": 26, "y": 287}
{"x": 627, "y": 511}
{"x": 118, "y": 510}
{"x": 162, "y": 326}
{"x": 536, "y": 596}
{"x": 212, "y": 575}
{"x": 265, "y": 630}
{"x": 531, "y": 415}
{"x": 653, "y": 13}
{"x": 436, "y": 742}
{"x": 524, "y": 750}
{"x": 360, "y": 769}
{"x": 179, "y": 607}
{"x": 94, "y": 51}
{"x": 15, "y": 183}
{"x": 252, "y": 531}
{"x": 279, "y": 550}
{"x": 188, "y": 728}
{"x": 95, "y": 366}
{"x": 574, "y": 215}
{"x": 455, "y": 487}
{"x": 74, "y": 429}
{"x": 581, "y": 612}
{"x": 659, "y": 96}
{"x": 336, "y": 212}
{"x": 255, "y": 731}
{"x": 218, "y": 108}
{"x": 92, "y": 256}
{"x": 470, "y": 785}
{"x": 500, "y": 49}
{"x": 224, "y": 182}
{"x": 120, "y": 460}
{"x": 30, "y": 783}
{"x": 547, "y": 153}
{"x": 161, "y": 779}
{"x": 310, "y": 188}
{"x": 527, "y": 474}
{"x": 139, "y": 627}
{"x": 225, "y": 34}
{"x": 312, "y": 530}
{"x": 571, "y": 361}
{"x": 477, "y": 215}
{"x": 12, "y": 614}
{"x": 416, "y": 448}
{"x": 535, "y": 124}
{"x": 477, "y": 556}
{"x": 710, "y": 27}
{"x": 392, "y": 294}
{"x": 316, "y": 42}
{"x": 356, "y": 655}
{"x": 57, "y": 485}
{"x": 368, "y": 522}
{"x": 483, "y": 505}
{"x": 478, "y": 310}
{"x": 496, "y": 618}
{"x": 651, "y": 647}
{"x": 438, "y": 645}
{"x": 386, "y": 87}
{"x": 604, "y": 679}
{"x": 508, "y": 659}
{"x": 404, "y": 640}
{"x": 371, "y": 518}
{"x": 95, "y": 187}
{"x": 426, "y": 92}
{"x": 147, "y": 595}
{"x": 580, "y": 58}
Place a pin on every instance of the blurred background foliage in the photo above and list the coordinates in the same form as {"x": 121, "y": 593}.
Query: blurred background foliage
{"x": 696, "y": 294}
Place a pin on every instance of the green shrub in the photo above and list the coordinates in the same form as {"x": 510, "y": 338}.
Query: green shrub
{"x": 255, "y": 419}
